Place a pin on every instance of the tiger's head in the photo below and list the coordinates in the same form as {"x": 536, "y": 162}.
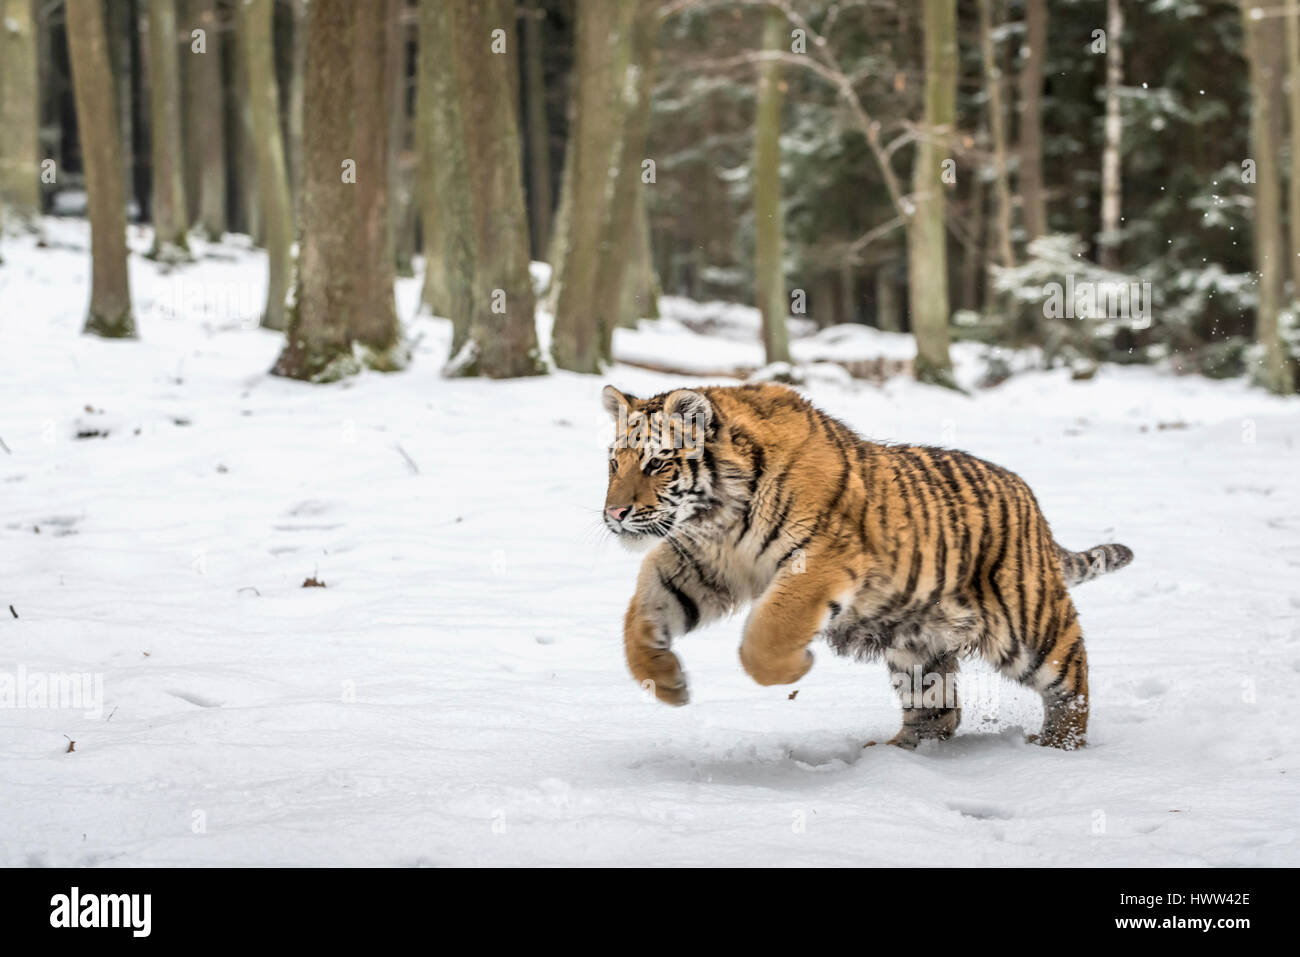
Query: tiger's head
{"x": 658, "y": 475}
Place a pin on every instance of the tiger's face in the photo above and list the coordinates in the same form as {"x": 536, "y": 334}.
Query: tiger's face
{"x": 657, "y": 482}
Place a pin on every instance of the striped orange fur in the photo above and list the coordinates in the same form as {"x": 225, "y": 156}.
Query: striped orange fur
{"x": 916, "y": 555}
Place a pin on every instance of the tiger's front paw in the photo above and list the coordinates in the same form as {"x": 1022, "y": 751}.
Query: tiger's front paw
{"x": 661, "y": 672}
{"x": 776, "y": 671}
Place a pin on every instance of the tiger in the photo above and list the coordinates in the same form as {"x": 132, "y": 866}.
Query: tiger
{"x": 916, "y": 555}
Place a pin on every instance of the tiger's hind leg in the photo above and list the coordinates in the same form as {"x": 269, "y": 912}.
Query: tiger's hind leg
{"x": 1058, "y": 670}
{"x": 927, "y": 688}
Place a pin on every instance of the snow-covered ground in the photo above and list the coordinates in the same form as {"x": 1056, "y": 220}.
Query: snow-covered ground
{"x": 456, "y": 693}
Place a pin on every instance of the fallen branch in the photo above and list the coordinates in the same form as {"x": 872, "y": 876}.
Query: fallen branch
{"x": 415, "y": 469}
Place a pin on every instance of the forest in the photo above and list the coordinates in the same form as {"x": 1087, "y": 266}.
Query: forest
{"x": 314, "y": 316}
{"x": 1104, "y": 180}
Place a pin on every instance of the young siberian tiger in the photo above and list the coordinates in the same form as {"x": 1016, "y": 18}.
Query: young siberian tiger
{"x": 917, "y": 555}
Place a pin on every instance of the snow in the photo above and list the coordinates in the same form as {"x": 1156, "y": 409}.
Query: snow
{"x": 456, "y": 693}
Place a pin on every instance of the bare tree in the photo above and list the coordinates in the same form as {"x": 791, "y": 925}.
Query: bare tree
{"x": 502, "y": 331}
{"x": 539, "y": 149}
{"x": 207, "y": 111}
{"x": 401, "y": 153}
{"x": 1293, "y": 69}
{"x": 20, "y": 183}
{"x": 1275, "y": 371}
{"x": 374, "y": 319}
{"x": 926, "y": 234}
{"x": 319, "y": 340}
{"x": 604, "y": 32}
{"x": 298, "y": 63}
{"x": 92, "y": 79}
{"x": 168, "y": 207}
{"x": 769, "y": 223}
{"x": 445, "y": 214}
{"x": 993, "y": 86}
{"x": 256, "y": 47}
{"x": 1032, "y": 192}
{"x": 619, "y": 268}
{"x": 916, "y": 213}
{"x": 1108, "y": 241}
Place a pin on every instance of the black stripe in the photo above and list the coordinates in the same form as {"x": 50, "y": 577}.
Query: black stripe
{"x": 777, "y": 526}
{"x": 689, "y": 609}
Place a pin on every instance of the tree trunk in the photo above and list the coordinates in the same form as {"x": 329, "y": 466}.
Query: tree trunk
{"x": 579, "y": 341}
{"x": 401, "y": 175}
{"x": 244, "y": 151}
{"x": 92, "y": 80}
{"x": 168, "y": 207}
{"x": 974, "y": 260}
{"x": 374, "y": 311}
{"x": 558, "y": 248}
{"x": 445, "y": 211}
{"x": 502, "y": 329}
{"x": 20, "y": 182}
{"x": 209, "y": 121}
{"x": 641, "y": 284}
{"x": 319, "y": 346}
{"x": 1275, "y": 372}
{"x": 257, "y": 45}
{"x": 50, "y": 82}
{"x": 769, "y": 223}
{"x": 1032, "y": 193}
{"x": 1293, "y": 67}
{"x": 618, "y": 265}
{"x": 295, "y": 167}
{"x": 927, "y": 265}
{"x": 1108, "y": 241}
{"x": 888, "y": 313}
{"x": 122, "y": 25}
{"x": 539, "y": 148}
{"x": 993, "y": 86}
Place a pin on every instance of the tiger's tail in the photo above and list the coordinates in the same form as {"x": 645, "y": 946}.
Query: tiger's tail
{"x": 1079, "y": 567}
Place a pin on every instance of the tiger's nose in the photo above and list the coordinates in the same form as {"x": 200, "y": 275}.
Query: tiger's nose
{"x": 616, "y": 512}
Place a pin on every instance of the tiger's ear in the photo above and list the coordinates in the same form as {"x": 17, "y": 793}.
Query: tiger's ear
{"x": 616, "y": 403}
{"x": 689, "y": 406}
